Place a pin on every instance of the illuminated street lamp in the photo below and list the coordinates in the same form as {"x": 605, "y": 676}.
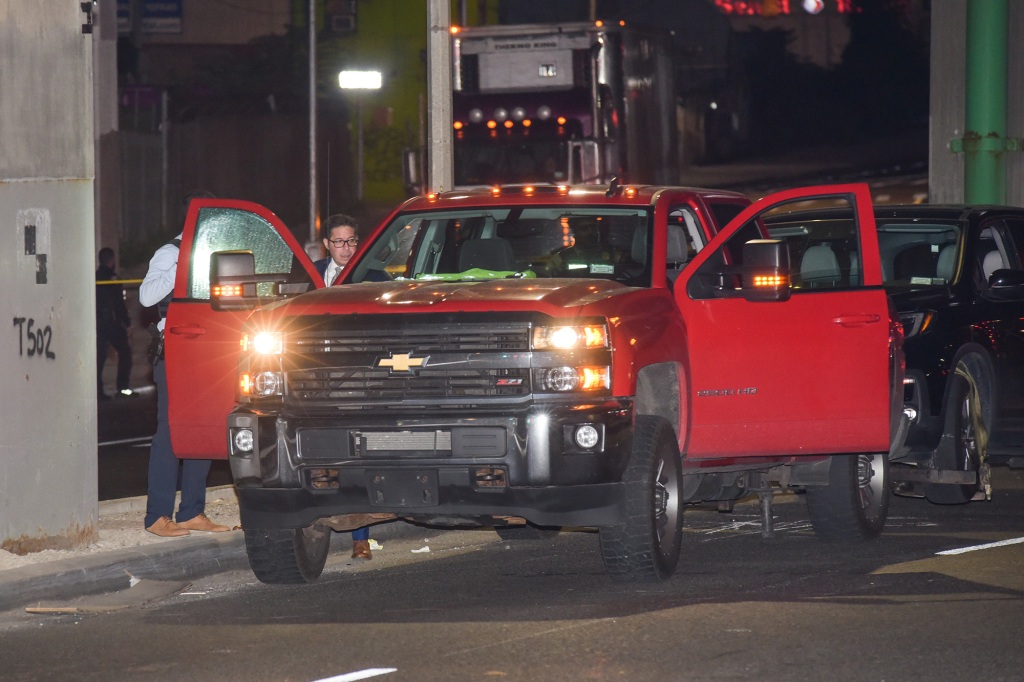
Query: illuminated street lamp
{"x": 359, "y": 80}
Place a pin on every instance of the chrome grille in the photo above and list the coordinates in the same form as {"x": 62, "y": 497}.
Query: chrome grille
{"x": 362, "y": 385}
{"x": 339, "y": 367}
{"x": 421, "y": 342}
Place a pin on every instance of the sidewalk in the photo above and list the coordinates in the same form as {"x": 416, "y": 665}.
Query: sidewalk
{"x": 126, "y": 553}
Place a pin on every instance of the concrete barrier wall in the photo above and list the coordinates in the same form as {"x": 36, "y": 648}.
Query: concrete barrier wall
{"x": 48, "y": 488}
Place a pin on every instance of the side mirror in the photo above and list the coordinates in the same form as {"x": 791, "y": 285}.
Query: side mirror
{"x": 234, "y": 282}
{"x": 1006, "y": 285}
{"x": 766, "y": 270}
{"x": 230, "y": 272}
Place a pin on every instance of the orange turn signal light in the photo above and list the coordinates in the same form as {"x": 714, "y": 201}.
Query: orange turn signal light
{"x": 226, "y": 290}
{"x": 773, "y": 280}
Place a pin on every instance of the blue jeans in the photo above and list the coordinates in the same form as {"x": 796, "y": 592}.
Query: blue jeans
{"x": 165, "y": 468}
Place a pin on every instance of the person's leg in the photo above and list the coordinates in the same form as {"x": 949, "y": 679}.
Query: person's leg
{"x": 194, "y": 473}
{"x": 124, "y": 359}
{"x": 101, "y": 359}
{"x": 163, "y": 465}
{"x": 361, "y": 543}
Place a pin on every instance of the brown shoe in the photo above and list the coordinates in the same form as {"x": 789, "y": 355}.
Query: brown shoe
{"x": 202, "y": 522}
{"x": 166, "y": 528}
{"x": 361, "y": 550}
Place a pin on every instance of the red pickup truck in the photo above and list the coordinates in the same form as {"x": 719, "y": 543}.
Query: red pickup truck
{"x": 538, "y": 356}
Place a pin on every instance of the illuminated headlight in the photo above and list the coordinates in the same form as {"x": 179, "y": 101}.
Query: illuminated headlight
{"x": 518, "y": 114}
{"x": 544, "y": 112}
{"x": 475, "y": 115}
{"x": 586, "y": 436}
{"x": 264, "y": 343}
{"x": 243, "y": 440}
{"x": 260, "y": 384}
{"x": 500, "y": 114}
{"x": 564, "y": 379}
{"x": 570, "y": 338}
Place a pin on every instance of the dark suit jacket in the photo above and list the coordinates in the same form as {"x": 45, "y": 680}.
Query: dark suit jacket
{"x": 321, "y": 265}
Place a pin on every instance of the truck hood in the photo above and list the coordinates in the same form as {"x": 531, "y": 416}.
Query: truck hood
{"x": 554, "y": 296}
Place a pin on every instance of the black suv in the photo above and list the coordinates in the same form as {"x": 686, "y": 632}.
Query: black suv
{"x": 956, "y": 275}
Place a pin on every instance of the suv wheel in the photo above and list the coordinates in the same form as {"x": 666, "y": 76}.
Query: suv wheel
{"x": 963, "y": 416}
{"x": 286, "y": 556}
{"x": 645, "y": 546}
{"x": 855, "y": 503}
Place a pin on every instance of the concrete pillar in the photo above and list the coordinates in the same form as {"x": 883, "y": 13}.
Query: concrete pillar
{"x": 48, "y": 486}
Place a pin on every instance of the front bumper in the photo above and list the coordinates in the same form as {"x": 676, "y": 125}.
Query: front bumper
{"x": 523, "y": 462}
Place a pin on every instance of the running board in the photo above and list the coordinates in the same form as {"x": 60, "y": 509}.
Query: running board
{"x": 922, "y": 475}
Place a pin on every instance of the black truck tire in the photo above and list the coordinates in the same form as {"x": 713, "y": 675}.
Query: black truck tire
{"x": 964, "y": 454}
{"x": 855, "y": 503}
{"x": 286, "y": 556}
{"x": 645, "y": 546}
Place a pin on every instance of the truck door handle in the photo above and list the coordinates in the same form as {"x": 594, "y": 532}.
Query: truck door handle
{"x": 188, "y": 331}
{"x": 856, "y": 320}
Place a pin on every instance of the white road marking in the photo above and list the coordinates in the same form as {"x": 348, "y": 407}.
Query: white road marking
{"x": 359, "y": 675}
{"x": 126, "y": 440}
{"x": 975, "y": 548}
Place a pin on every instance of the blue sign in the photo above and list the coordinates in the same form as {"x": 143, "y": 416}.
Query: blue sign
{"x": 158, "y": 16}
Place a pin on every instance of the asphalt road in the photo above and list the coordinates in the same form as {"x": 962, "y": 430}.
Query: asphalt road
{"x": 475, "y": 608}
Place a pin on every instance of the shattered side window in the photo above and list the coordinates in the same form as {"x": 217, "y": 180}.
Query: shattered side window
{"x": 226, "y": 229}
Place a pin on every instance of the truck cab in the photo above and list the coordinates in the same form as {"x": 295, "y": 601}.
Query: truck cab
{"x": 546, "y": 356}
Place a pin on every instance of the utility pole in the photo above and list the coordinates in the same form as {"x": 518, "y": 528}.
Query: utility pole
{"x": 312, "y": 124}
{"x": 441, "y": 173}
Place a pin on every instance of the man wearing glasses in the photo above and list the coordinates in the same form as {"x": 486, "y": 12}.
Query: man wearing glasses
{"x": 341, "y": 242}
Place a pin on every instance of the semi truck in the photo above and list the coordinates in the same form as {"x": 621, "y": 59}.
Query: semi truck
{"x": 577, "y": 103}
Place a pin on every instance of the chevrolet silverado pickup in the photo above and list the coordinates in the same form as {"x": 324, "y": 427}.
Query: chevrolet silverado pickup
{"x": 538, "y": 357}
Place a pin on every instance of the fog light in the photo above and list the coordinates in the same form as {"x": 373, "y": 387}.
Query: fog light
{"x": 267, "y": 383}
{"x": 562, "y": 379}
{"x": 587, "y": 436}
{"x": 243, "y": 440}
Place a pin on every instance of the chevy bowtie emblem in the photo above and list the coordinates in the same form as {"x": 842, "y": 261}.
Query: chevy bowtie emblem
{"x": 401, "y": 362}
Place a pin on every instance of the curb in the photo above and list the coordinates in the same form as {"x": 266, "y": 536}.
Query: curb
{"x": 185, "y": 558}
{"x": 182, "y": 558}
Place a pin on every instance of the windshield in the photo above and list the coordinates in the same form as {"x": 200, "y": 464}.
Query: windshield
{"x": 522, "y": 242}
{"x": 918, "y": 254}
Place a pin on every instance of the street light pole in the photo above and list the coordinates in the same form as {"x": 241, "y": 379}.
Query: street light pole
{"x": 359, "y": 80}
{"x": 359, "y": 149}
